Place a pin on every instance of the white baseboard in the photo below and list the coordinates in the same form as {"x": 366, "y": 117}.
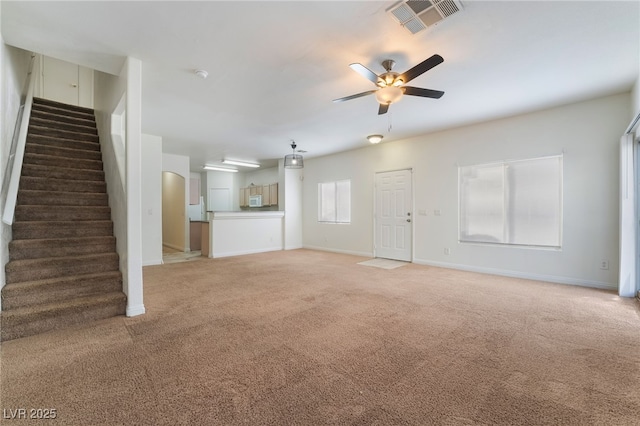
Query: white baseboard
{"x": 152, "y": 262}
{"x": 133, "y": 311}
{"x": 332, "y": 250}
{"x": 243, "y": 252}
{"x": 523, "y": 275}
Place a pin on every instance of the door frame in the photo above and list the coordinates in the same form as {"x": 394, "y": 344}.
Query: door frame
{"x": 412, "y": 203}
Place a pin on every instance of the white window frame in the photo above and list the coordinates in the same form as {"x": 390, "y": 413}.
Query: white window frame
{"x": 508, "y": 219}
{"x": 338, "y": 215}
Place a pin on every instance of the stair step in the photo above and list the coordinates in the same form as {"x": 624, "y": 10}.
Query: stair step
{"x": 52, "y": 267}
{"x": 57, "y": 151}
{"x": 45, "y": 131}
{"x": 53, "y": 114}
{"x": 63, "y": 143}
{"x": 61, "y": 229}
{"x": 60, "y": 105}
{"x": 28, "y": 321}
{"x": 26, "y": 197}
{"x": 62, "y": 111}
{"x": 59, "y": 125}
{"x": 52, "y": 160}
{"x": 36, "y": 170}
{"x": 61, "y": 185}
{"x": 52, "y": 247}
{"x": 25, "y": 213}
{"x": 31, "y": 293}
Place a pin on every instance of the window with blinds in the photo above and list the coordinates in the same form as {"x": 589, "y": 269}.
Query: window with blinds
{"x": 512, "y": 202}
{"x": 334, "y": 202}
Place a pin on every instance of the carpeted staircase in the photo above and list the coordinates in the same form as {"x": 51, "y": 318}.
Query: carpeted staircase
{"x": 63, "y": 267}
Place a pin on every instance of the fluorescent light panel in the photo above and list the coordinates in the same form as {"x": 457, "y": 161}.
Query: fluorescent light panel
{"x": 219, "y": 169}
{"x": 240, "y": 163}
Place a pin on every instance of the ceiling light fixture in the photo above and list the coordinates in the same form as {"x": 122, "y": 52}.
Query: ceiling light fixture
{"x": 389, "y": 94}
{"x": 293, "y": 161}
{"x": 219, "y": 169}
{"x": 202, "y": 74}
{"x": 375, "y": 138}
{"x": 240, "y": 163}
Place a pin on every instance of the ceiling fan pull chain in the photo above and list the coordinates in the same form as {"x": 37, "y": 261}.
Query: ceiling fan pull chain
{"x": 389, "y": 128}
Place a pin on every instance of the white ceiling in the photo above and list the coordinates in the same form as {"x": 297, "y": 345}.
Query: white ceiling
{"x": 274, "y": 67}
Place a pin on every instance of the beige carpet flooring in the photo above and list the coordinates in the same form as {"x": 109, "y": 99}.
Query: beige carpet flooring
{"x": 304, "y": 338}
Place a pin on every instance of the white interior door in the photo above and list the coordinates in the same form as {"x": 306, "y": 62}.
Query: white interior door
{"x": 60, "y": 81}
{"x": 393, "y": 215}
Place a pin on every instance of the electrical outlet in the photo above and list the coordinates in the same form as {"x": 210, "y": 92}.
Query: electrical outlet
{"x": 604, "y": 264}
{"x": 447, "y": 251}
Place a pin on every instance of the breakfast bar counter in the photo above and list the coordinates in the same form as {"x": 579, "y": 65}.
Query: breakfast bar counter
{"x": 244, "y": 232}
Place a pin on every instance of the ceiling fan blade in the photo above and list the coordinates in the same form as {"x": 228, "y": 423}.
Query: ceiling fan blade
{"x": 365, "y": 72}
{"x": 383, "y": 109}
{"x": 422, "y": 67}
{"x": 357, "y": 95}
{"x": 425, "y": 93}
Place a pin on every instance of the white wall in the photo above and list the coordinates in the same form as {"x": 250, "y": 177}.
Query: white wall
{"x": 179, "y": 164}
{"x": 124, "y": 197}
{"x": 151, "y": 200}
{"x": 290, "y": 199}
{"x": 221, "y": 180}
{"x": 14, "y": 64}
{"x": 587, "y": 133}
{"x": 260, "y": 177}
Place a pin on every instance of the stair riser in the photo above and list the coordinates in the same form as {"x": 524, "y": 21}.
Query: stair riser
{"x": 72, "y": 163}
{"x": 22, "y": 231}
{"x": 37, "y": 213}
{"x": 66, "y": 113}
{"x": 68, "y": 199}
{"x": 14, "y": 327}
{"x": 58, "y": 125}
{"x": 47, "y": 115}
{"x": 61, "y": 173}
{"x": 60, "y": 291}
{"x": 61, "y": 185}
{"x": 55, "y": 151}
{"x": 36, "y": 130}
{"x": 65, "y": 107}
{"x": 62, "y": 143}
{"x": 18, "y": 252}
{"x": 63, "y": 268}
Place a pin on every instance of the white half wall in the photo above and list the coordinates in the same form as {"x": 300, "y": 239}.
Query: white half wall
{"x": 14, "y": 65}
{"x": 151, "y": 200}
{"x": 124, "y": 197}
{"x": 588, "y": 134}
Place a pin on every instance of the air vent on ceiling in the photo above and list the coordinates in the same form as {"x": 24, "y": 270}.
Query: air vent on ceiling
{"x": 417, "y": 15}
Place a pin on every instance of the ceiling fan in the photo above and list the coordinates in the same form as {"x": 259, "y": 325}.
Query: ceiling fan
{"x": 391, "y": 85}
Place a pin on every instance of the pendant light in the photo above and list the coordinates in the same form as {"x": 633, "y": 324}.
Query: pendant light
{"x": 293, "y": 161}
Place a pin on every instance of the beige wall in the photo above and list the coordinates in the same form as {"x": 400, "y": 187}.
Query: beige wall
{"x": 173, "y": 210}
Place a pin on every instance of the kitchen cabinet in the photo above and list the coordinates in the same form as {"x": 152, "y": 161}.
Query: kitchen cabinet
{"x": 266, "y": 196}
{"x": 268, "y": 192}
{"x": 273, "y": 194}
{"x": 195, "y": 235}
{"x": 194, "y": 191}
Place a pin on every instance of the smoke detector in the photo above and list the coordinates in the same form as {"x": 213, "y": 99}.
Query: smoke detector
{"x": 417, "y": 15}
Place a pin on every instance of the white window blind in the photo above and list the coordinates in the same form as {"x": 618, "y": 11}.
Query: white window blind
{"x": 512, "y": 202}
{"x": 334, "y": 202}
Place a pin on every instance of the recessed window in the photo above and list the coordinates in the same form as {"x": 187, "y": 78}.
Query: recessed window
{"x": 334, "y": 202}
{"x": 512, "y": 202}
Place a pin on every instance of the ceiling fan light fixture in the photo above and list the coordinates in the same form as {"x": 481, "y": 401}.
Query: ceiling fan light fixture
{"x": 375, "y": 138}
{"x": 388, "y": 95}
